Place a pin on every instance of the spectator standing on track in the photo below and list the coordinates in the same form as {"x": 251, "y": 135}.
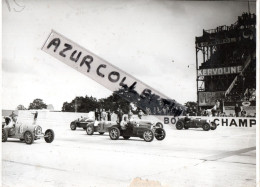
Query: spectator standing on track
{"x": 96, "y": 114}
{"x": 237, "y": 110}
{"x": 35, "y": 117}
{"x": 13, "y": 116}
{"x": 103, "y": 115}
{"x": 120, "y": 115}
{"x": 130, "y": 114}
{"x": 108, "y": 115}
{"x": 99, "y": 114}
{"x": 140, "y": 114}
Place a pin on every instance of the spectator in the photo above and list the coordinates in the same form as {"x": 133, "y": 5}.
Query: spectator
{"x": 108, "y": 115}
{"x": 96, "y": 114}
{"x": 140, "y": 114}
{"x": 237, "y": 110}
{"x": 103, "y": 115}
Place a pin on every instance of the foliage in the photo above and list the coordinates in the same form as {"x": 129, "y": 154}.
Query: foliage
{"x": 20, "y": 107}
{"x": 37, "y": 104}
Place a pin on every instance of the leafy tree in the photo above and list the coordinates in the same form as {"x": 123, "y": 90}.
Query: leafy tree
{"x": 37, "y": 104}
{"x": 20, "y": 107}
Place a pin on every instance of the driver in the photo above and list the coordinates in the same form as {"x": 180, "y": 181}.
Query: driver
{"x": 123, "y": 123}
{"x": 187, "y": 119}
{"x": 9, "y": 122}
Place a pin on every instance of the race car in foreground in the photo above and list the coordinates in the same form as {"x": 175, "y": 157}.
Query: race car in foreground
{"x": 142, "y": 129}
{"x": 25, "y": 132}
{"x": 81, "y": 123}
{"x": 205, "y": 124}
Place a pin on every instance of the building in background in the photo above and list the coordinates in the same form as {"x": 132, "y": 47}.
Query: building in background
{"x": 226, "y": 65}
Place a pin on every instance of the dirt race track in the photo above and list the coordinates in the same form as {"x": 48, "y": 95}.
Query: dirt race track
{"x": 224, "y": 157}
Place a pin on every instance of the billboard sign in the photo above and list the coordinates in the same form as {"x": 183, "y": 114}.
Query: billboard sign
{"x": 209, "y": 98}
{"x": 108, "y": 75}
{"x": 220, "y": 71}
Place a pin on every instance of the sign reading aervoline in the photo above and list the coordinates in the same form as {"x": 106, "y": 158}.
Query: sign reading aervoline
{"x": 107, "y": 74}
{"x": 220, "y": 71}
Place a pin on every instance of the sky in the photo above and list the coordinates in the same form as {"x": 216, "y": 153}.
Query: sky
{"x": 150, "y": 39}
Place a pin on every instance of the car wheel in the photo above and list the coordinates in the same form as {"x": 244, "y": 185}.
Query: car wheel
{"x": 114, "y": 133}
{"x": 159, "y": 134}
{"x": 159, "y": 124}
{"x": 126, "y": 137}
{"x": 73, "y": 126}
{"x": 101, "y": 133}
{"x": 186, "y": 126}
{"x": 148, "y": 135}
{"x": 4, "y": 135}
{"x": 206, "y": 127}
{"x": 213, "y": 126}
{"x": 49, "y": 133}
{"x": 28, "y": 137}
{"x": 90, "y": 130}
{"x": 179, "y": 125}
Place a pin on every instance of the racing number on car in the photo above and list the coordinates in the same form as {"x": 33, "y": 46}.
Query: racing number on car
{"x": 21, "y": 129}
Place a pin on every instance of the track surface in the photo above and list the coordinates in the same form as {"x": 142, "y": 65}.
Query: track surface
{"x": 224, "y": 157}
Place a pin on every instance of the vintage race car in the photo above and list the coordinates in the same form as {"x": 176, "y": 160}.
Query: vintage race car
{"x": 25, "y": 132}
{"x": 81, "y": 123}
{"x": 142, "y": 129}
{"x": 195, "y": 123}
{"x": 99, "y": 126}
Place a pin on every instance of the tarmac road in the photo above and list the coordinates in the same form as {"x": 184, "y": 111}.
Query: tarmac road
{"x": 224, "y": 157}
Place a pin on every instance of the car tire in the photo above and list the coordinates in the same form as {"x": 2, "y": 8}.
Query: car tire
{"x": 186, "y": 126}
{"x": 213, "y": 126}
{"x": 73, "y": 126}
{"x": 206, "y": 127}
{"x": 126, "y": 137}
{"x": 159, "y": 134}
{"x": 148, "y": 135}
{"x": 179, "y": 125}
{"x": 90, "y": 130}
{"x": 114, "y": 133}
{"x": 101, "y": 133}
{"x": 28, "y": 137}
{"x": 50, "y": 136}
{"x": 159, "y": 124}
{"x": 4, "y": 135}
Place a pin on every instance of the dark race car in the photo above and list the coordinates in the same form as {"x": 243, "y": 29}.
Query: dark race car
{"x": 25, "y": 132}
{"x": 80, "y": 123}
{"x": 142, "y": 129}
{"x": 195, "y": 123}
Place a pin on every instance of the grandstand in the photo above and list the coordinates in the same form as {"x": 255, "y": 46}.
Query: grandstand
{"x": 226, "y": 64}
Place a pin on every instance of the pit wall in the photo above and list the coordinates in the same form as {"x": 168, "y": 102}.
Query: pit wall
{"x": 49, "y": 118}
{"x": 239, "y": 122}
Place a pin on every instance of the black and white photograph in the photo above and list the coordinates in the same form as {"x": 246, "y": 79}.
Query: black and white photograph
{"x": 130, "y": 93}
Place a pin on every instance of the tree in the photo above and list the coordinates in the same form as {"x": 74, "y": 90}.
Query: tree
{"x": 37, "y": 104}
{"x": 20, "y": 107}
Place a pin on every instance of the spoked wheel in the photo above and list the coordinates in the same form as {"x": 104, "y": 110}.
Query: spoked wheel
{"x": 73, "y": 126}
{"x": 49, "y": 135}
{"x": 159, "y": 134}
{"x": 159, "y": 124}
{"x": 90, "y": 130}
{"x": 213, "y": 126}
{"x": 4, "y": 135}
{"x": 206, "y": 127}
{"x": 179, "y": 125}
{"x": 148, "y": 136}
{"x": 114, "y": 133}
{"x": 28, "y": 137}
